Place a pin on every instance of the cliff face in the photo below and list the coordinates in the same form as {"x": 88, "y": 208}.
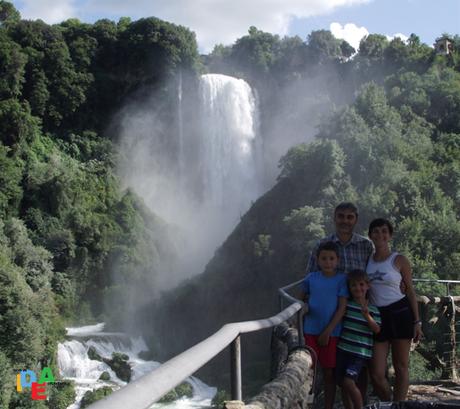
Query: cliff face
{"x": 390, "y": 161}
{"x": 267, "y": 250}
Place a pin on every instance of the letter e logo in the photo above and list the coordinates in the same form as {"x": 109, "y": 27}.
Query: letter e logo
{"x": 38, "y": 391}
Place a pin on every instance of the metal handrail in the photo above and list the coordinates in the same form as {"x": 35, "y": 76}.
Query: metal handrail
{"x": 285, "y": 296}
{"x": 283, "y": 291}
{"x": 145, "y": 391}
{"x": 431, "y": 280}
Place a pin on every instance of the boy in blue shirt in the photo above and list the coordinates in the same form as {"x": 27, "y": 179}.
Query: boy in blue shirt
{"x": 354, "y": 350}
{"x": 325, "y": 292}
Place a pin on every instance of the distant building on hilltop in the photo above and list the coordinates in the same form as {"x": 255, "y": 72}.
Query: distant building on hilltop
{"x": 444, "y": 45}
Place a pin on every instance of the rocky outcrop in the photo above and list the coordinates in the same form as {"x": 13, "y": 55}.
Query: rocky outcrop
{"x": 120, "y": 365}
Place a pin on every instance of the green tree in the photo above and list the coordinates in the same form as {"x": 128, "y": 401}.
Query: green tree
{"x": 22, "y": 332}
{"x": 305, "y": 226}
{"x": 346, "y": 49}
{"x": 12, "y": 63}
{"x": 7, "y": 386}
{"x": 34, "y": 260}
{"x": 324, "y": 47}
{"x": 50, "y": 71}
{"x": 19, "y": 126}
{"x": 8, "y": 13}
{"x": 396, "y": 54}
{"x": 254, "y": 54}
{"x": 447, "y": 157}
{"x": 81, "y": 43}
{"x": 373, "y": 46}
{"x": 10, "y": 181}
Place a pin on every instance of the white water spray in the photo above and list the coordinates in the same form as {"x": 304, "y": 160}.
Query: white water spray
{"x": 201, "y": 177}
{"x": 229, "y": 145}
{"x": 75, "y": 364}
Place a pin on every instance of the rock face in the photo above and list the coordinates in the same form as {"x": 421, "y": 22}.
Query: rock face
{"x": 446, "y": 391}
{"x": 92, "y": 354}
{"x": 183, "y": 390}
{"x": 95, "y": 395}
{"x": 290, "y": 388}
{"x": 119, "y": 364}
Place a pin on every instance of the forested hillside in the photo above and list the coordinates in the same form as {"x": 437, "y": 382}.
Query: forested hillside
{"x": 394, "y": 150}
{"x": 70, "y": 237}
{"x": 75, "y": 246}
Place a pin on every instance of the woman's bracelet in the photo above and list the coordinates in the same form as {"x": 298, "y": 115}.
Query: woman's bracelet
{"x": 418, "y": 322}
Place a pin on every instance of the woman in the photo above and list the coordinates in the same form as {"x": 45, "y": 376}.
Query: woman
{"x": 400, "y": 317}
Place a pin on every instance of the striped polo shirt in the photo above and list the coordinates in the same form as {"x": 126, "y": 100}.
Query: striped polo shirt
{"x": 356, "y": 337}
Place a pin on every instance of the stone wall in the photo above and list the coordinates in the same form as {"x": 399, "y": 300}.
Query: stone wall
{"x": 292, "y": 373}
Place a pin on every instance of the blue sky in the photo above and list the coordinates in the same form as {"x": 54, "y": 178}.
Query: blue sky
{"x": 223, "y": 21}
{"x": 426, "y": 18}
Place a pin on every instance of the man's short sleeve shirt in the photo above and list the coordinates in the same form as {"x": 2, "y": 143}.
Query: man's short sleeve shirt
{"x": 352, "y": 255}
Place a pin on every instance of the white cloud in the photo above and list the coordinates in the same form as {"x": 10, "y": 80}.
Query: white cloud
{"x": 214, "y": 21}
{"x": 353, "y": 34}
{"x": 403, "y": 37}
{"x": 350, "y": 32}
{"x": 51, "y": 11}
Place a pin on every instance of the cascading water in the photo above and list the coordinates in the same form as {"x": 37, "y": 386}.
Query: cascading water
{"x": 75, "y": 364}
{"x": 229, "y": 145}
{"x": 200, "y": 177}
{"x": 200, "y": 173}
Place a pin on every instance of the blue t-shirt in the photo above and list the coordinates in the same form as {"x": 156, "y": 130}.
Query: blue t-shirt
{"x": 323, "y": 298}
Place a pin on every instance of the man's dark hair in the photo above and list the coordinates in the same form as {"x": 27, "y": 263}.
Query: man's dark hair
{"x": 357, "y": 275}
{"x": 346, "y": 206}
{"x": 328, "y": 246}
{"x": 379, "y": 223}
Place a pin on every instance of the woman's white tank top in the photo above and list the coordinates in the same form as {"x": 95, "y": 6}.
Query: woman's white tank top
{"x": 385, "y": 281}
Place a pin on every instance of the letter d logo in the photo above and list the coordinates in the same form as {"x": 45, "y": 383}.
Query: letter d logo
{"x": 32, "y": 378}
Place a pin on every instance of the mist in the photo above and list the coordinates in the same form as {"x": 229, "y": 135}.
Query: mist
{"x": 196, "y": 162}
{"x": 202, "y": 153}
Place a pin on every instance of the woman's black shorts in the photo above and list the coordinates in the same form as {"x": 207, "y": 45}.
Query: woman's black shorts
{"x": 397, "y": 321}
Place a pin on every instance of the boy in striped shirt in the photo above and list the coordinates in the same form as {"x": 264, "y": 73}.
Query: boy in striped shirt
{"x": 354, "y": 350}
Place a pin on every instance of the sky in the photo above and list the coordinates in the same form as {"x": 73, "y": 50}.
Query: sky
{"x": 224, "y": 21}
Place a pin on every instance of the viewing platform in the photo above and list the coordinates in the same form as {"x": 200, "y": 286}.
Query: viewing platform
{"x": 294, "y": 382}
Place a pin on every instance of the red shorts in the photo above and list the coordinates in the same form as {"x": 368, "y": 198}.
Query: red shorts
{"x": 326, "y": 355}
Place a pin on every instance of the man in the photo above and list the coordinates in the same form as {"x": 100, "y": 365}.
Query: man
{"x": 354, "y": 249}
{"x": 354, "y": 253}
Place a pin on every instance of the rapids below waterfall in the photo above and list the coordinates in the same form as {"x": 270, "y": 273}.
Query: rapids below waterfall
{"x": 75, "y": 365}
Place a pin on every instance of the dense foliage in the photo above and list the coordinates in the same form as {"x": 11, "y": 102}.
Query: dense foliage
{"x": 74, "y": 245}
{"x": 70, "y": 238}
{"x": 393, "y": 149}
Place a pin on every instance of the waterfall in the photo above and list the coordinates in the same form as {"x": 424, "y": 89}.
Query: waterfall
{"x": 181, "y": 154}
{"x": 228, "y": 142}
{"x": 74, "y": 364}
{"x": 201, "y": 172}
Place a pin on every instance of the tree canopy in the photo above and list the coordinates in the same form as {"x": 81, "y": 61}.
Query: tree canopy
{"x": 74, "y": 245}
